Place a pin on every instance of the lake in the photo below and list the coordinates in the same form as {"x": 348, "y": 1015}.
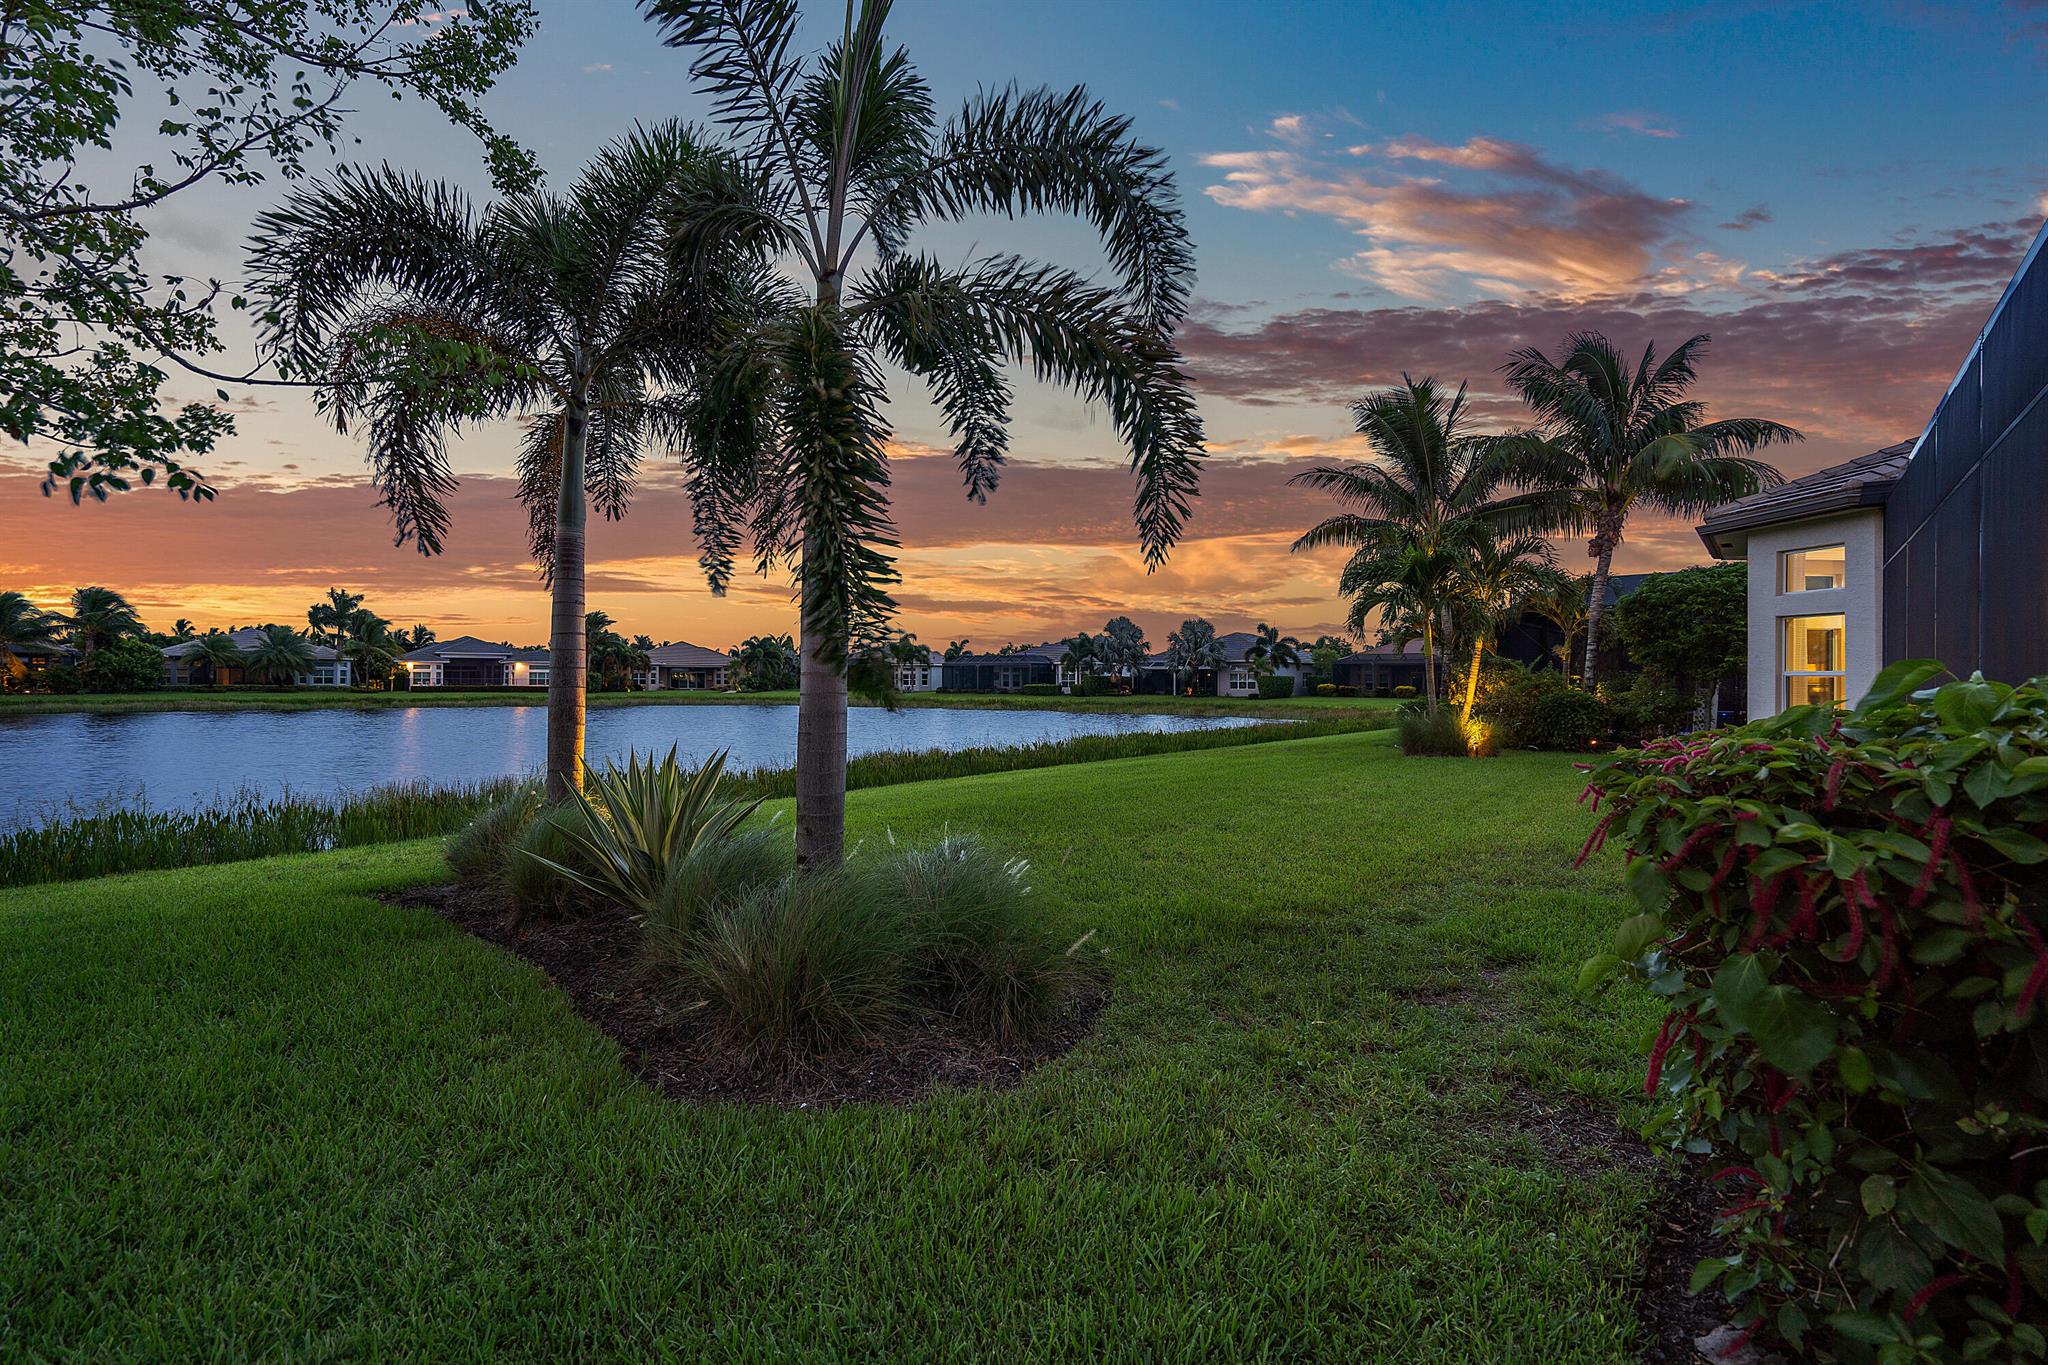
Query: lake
{"x": 172, "y": 760}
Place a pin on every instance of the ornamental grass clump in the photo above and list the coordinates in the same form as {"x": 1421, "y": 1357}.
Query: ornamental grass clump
{"x": 1843, "y": 913}
{"x": 479, "y": 851}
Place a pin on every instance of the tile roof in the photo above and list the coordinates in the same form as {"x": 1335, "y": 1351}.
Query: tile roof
{"x": 245, "y": 639}
{"x": 1862, "y": 482}
{"x": 463, "y": 647}
{"x": 686, "y": 656}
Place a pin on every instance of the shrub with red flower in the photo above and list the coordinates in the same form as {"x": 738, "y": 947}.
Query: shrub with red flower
{"x": 1844, "y": 913}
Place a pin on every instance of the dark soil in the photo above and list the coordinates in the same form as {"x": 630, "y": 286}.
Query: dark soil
{"x": 670, "y": 1044}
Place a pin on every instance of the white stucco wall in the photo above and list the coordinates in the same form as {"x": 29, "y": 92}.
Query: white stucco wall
{"x": 1859, "y": 601}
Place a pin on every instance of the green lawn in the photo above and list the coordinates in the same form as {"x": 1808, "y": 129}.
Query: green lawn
{"x": 315, "y": 699}
{"x": 250, "y": 1111}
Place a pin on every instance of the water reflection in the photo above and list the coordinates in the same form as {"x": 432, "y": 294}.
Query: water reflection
{"x": 175, "y": 759}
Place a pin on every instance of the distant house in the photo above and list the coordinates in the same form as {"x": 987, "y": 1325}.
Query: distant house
{"x": 21, "y": 661}
{"x": 185, "y": 667}
{"x": 926, "y": 674}
{"x": 683, "y": 666}
{"x": 1236, "y": 678}
{"x": 466, "y": 661}
{"x": 1002, "y": 672}
{"x": 1378, "y": 670}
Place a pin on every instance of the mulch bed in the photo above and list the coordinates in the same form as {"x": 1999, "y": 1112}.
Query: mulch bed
{"x": 669, "y": 1044}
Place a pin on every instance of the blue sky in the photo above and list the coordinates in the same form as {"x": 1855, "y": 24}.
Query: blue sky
{"x": 1836, "y": 191}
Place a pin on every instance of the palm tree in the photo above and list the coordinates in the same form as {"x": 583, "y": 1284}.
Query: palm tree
{"x": 765, "y": 663}
{"x": 1122, "y": 647}
{"x": 1500, "y": 576}
{"x": 1274, "y": 650}
{"x": 1191, "y": 649}
{"x": 370, "y": 647}
{"x": 419, "y": 637}
{"x": 100, "y": 616}
{"x": 1079, "y": 654}
{"x": 280, "y": 656}
{"x": 1562, "y": 602}
{"x": 956, "y": 648}
{"x": 1413, "y": 579}
{"x": 330, "y": 619}
{"x": 613, "y": 658}
{"x": 843, "y": 155}
{"x": 906, "y": 653}
{"x": 182, "y": 629}
{"x": 22, "y": 624}
{"x": 217, "y": 650}
{"x": 1610, "y": 439}
{"x": 421, "y": 313}
{"x": 1431, "y": 486}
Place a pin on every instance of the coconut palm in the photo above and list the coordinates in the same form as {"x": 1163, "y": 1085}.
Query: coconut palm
{"x": 216, "y": 649}
{"x": 280, "y": 656}
{"x": 1122, "y": 647}
{"x": 22, "y": 624}
{"x": 1413, "y": 580}
{"x": 371, "y": 647}
{"x": 182, "y": 629}
{"x": 100, "y": 616}
{"x": 1272, "y": 650}
{"x": 1411, "y": 511}
{"x": 1191, "y": 649}
{"x": 1611, "y": 438}
{"x": 1078, "y": 655}
{"x": 844, "y": 159}
{"x": 330, "y": 619}
{"x": 956, "y": 648}
{"x": 905, "y": 653}
{"x": 420, "y": 313}
{"x": 1501, "y": 574}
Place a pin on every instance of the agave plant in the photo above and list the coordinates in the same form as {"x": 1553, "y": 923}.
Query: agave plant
{"x": 631, "y": 825}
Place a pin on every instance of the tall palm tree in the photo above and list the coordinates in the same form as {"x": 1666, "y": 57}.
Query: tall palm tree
{"x": 1501, "y": 574}
{"x": 1611, "y": 437}
{"x": 1079, "y": 654}
{"x": 1191, "y": 649}
{"x": 906, "y": 653}
{"x": 100, "y": 616}
{"x": 280, "y": 656}
{"x": 766, "y": 662}
{"x": 217, "y": 650}
{"x": 330, "y": 619}
{"x": 1411, "y": 510}
{"x": 182, "y": 629}
{"x": 844, "y": 156}
{"x": 1122, "y": 647}
{"x": 1273, "y": 650}
{"x": 1413, "y": 580}
{"x": 23, "y": 623}
{"x": 371, "y": 647}
{"x": 956, "y": 648}
{"x": 421, "y": 313}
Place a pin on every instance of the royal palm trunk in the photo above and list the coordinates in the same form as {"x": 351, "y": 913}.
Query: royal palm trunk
{"x": 1606, "y": 535}
{"x": 820, "y": 750}
{"x": 566, "y": 644}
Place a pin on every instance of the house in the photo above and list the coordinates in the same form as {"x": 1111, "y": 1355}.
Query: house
{"x": 1377, "y": 671}
{"x": 1002, "y": 672}
{"x": 466, "y": 661}
{"x": 924, "y": 674}
{"x": 23, "y": 661}
{"x": 1236, "y": 678}
{"x": 680, "y": 666}
{"x": 185, "y": 667}
{"x": 1935, "y": 549}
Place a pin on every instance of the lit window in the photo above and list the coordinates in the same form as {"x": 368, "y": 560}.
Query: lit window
{"x": 1240, "y": 680}
{"x": 1812, "y": 654}
{"x": 1809, "y": 570}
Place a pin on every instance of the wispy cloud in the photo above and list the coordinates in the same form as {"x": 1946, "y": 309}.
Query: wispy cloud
{"x": 1748, "y": 219}
{"x": 1633, "y": 121}
{"x": 1487, "y": 216}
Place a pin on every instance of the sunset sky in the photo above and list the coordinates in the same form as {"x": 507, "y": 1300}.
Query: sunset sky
{"x": 1837, "y": 193}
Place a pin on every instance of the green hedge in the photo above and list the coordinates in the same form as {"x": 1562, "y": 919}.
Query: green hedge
{"x": 1039, "y": 690}
{"x": 1843, "y": 915}
{"x": 1273, "y": 686}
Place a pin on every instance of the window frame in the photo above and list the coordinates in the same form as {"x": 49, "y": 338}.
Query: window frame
{"x": 1785, "y": 588}
{"x": 1789, "y": 677}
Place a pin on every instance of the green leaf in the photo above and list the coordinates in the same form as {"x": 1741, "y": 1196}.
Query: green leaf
{"x": 1634, "y": 935}
{"x": 1955, "y": 1211}
{"x": 1650, "y": 885}
{"x": 1794, "y": 1034}
{"x": 1880, "y": 1195}
{"x": 1866, "y": 1327}
{"x": 1736, "y": 988}
{"x": 1895, "y": 683}
{"x": 1987, "y": 782}
{"x": 1596, "y": 971}
{"x": 2015, "y": 844}
{"x": 1708, "y": 1271}
{"x": 1854, "y": 1069}
{"x": 1889, "y": 1259}
{"x": 1969, "y": 705}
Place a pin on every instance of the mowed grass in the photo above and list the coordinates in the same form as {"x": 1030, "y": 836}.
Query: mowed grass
{"x": 322, "y": 699}
{"x": 251, "y": 1111}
